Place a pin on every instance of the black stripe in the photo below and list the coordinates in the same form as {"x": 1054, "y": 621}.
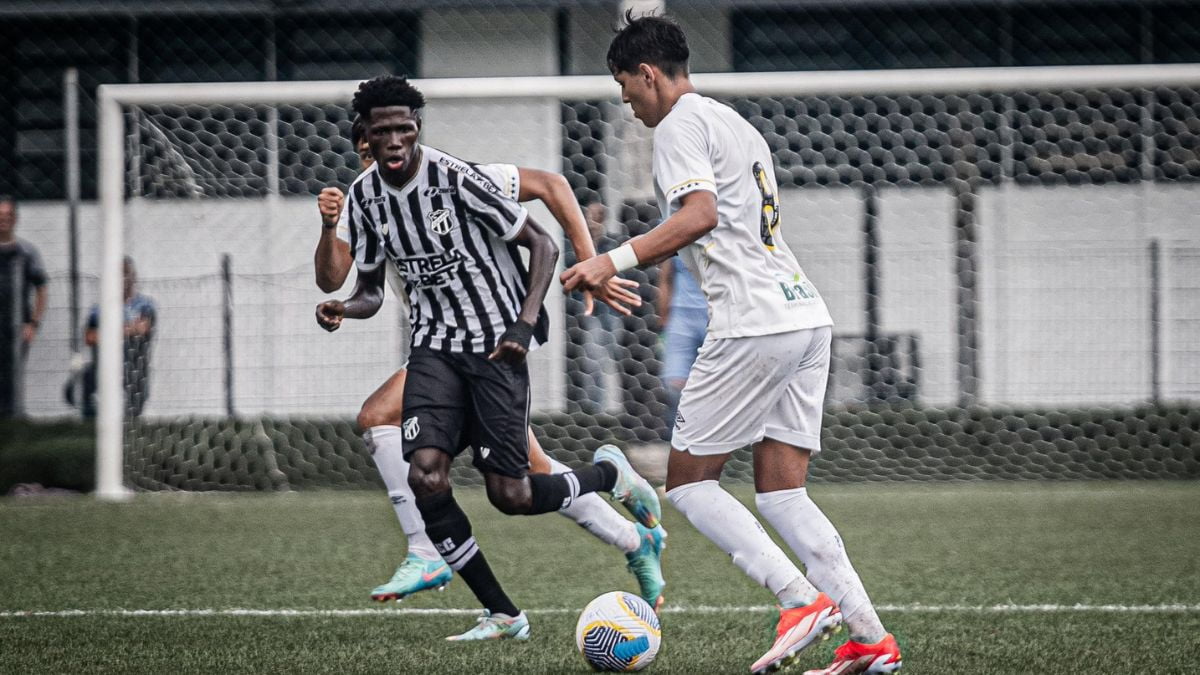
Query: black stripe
{"x": 487, "y": 329}
{"x": 487, "y": 264}
{"x": 420, "y": 325}
{"x": 490, "y": 200}
{"x": 419, "y": 220}
{"x": 350, "y": 220}
{"x": 371, "y": 245}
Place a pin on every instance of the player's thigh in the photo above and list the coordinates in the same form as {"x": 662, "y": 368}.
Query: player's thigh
{"x": 732, "y": 385}
{"x": 435, "y": 403}
{"x": 497, "y": 420}
{"x": 385, "y": 405}
{"x": 539, "y": 461}
{"x": 796, "y": 417}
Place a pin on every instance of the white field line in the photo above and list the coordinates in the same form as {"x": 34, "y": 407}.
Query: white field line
{"x": 697, "y": 609}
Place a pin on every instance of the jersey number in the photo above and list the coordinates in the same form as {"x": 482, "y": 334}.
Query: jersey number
{"x": 769, "y": 215}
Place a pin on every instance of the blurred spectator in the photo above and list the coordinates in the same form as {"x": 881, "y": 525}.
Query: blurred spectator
{"x": 683, "y": 314}
{"x": 140, "y": 319}
{"x": 22, "y": 304}
{"x": 599, "y": 330}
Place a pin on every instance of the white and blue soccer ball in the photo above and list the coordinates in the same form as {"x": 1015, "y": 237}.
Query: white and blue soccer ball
{"x": 618, "y": 632}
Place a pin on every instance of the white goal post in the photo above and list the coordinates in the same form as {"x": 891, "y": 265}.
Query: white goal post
{"x": 113, "y": 147}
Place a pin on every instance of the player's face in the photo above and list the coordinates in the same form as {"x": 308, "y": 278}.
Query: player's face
{"x": 364, "y": 154}
{"x": 8, "y": 218}
{"x": 638, "y": 91}
{"x": 392, "y": 136}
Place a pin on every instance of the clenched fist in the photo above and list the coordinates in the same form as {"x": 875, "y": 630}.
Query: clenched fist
{"x": 330, "y": 313}
{"x": 329, "y": 203}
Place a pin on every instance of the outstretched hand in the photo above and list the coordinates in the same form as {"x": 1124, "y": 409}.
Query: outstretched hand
{"x": 589, "y": 275}
{"x": 330, "y": 314}
{"x": 620, "y": 294}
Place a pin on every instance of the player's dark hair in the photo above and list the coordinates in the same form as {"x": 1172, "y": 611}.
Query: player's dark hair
{"x": 656, "y": 40}
{"x": 385, "y": 91}
{"x": 9, "y": 199}
{"x": 358, "y": 131}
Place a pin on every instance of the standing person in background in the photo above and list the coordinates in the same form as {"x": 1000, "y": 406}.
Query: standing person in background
{"x": 140, "y": 319}
{"x": 683, "y": 317}
{"x": 22, "y": 305}
{"x": 760, "y": 377}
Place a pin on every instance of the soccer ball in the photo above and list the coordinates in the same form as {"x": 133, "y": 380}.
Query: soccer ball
{"x": 618, "y": 632}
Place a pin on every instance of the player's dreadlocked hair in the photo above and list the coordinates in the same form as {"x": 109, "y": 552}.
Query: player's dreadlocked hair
{"x": 656, "y": 40}
{"x": 384, "y": 91}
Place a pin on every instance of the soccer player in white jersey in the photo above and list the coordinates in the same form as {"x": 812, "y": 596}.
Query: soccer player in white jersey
{"x": 382, "y": 412}
{"x": 760, "y": 376}
{"x": 476, "y": 312}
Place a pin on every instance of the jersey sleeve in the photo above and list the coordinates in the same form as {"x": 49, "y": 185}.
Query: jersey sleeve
{"x": 35, "y": 271}
{"x": 681, "y": 159}
{"x": 363, "y": 237}
{"x": 489, "y": 207}
{"x": 506, "y": 177}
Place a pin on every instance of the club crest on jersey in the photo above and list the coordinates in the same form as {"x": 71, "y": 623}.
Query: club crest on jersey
{"x": 411, "y": 428}
{"x": 439, "y": 221}
{"x": 484, "y": 451}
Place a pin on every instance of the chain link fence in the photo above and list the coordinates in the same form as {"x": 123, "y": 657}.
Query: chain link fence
{"x": 1012, "y": 273}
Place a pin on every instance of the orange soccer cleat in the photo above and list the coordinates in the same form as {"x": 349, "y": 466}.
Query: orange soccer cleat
{"x": 856, "y": 657}
{"x": 798, "y": 628}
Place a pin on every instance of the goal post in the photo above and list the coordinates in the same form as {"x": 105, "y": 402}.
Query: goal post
{"x": 786, "y": 139}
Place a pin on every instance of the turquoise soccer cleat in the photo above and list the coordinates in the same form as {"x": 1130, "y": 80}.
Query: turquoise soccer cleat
{"x": 496, "y": 627}
{"x": 646, "y": 564}
{"x": 631, "y": 489}
{"x": 414, "y": 575}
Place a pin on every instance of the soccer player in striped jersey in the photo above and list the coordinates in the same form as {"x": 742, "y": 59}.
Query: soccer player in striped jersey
{"x": 381, "y": 414}
{"x": 476, "y": 311}
{"x": 760, "y": 377}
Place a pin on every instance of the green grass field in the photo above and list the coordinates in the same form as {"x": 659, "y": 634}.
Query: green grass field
{"x": 971, "y": 578}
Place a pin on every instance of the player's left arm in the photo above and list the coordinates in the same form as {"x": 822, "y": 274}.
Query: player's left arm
{"x": 555, "y": 192}
{"x": 696, "y": 217}
{"x": 363, "y": 303}
{"x": 543, "y": 256}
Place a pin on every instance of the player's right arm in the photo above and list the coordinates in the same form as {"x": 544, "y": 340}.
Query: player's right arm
{"x": 332, "y": 259}
{"x": 555, "y": 192}
{"x": 363, "y": 303}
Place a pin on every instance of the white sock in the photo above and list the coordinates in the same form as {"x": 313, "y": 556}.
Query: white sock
{"x": 594, "y": 514}
{"x": 814, "y": 539}
{"x": 386, "y": 445}
{"x": 736, "y": 531}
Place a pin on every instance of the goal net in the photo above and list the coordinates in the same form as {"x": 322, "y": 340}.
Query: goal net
{"x": 1009, "y": 254}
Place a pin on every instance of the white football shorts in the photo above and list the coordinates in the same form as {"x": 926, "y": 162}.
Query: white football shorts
{"x": 744, "y": 389}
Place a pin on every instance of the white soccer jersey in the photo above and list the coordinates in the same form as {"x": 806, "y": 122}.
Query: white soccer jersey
{"x": 753, "y": 283}
{"x": 449, "y": 231}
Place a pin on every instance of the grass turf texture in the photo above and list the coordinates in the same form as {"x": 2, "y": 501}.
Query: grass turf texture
{"x": 963, "y": 545}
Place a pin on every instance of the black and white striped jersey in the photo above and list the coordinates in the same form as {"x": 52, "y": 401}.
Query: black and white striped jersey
{"x": 449, "y": 232}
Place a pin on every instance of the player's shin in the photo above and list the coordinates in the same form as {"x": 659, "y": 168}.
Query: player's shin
{"x": 386, "y": 445}
{"x": 594, "y": 514}
{"x": 559, "y": 491}
{"x": 809, "y": 533}
{"x": 731, "y": 526}
{"x": 448, "y": 527}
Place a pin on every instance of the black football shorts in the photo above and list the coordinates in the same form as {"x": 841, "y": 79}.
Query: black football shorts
{"x": 454, "y": 400}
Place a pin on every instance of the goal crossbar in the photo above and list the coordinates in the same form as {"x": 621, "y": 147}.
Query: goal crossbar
{"x": 112, "y": 98}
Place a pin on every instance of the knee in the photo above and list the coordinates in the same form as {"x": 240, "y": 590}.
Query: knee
{"x": 512, "y": 498}
{"x": 372, "y": 416}
{"x": 427, "y": 477}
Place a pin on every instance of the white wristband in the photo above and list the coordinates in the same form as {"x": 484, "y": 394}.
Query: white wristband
{"x": 623, "y": 257}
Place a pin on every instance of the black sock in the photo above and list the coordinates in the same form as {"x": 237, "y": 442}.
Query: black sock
{"x": 448, "y": 527}
{"x": 556, "y": 491}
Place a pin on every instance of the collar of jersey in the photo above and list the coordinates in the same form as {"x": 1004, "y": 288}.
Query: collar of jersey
{"x": 411, "y": 181}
